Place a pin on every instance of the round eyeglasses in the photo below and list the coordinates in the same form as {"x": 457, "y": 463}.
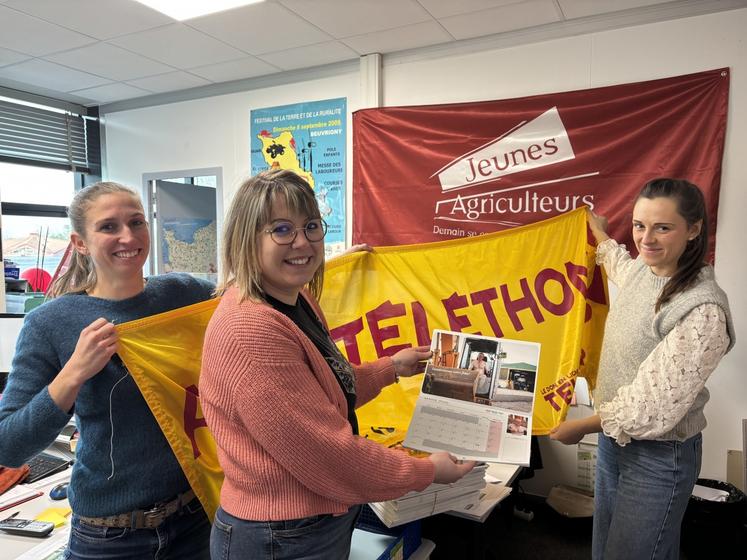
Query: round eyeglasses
{"x": 284, "y": 233}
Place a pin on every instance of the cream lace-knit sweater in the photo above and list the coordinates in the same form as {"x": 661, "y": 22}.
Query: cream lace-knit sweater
{"x": 653, "y": 370}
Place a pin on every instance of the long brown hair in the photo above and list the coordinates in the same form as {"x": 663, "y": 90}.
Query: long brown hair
{"x": 81, "y": 274}
{"x": 250, "y": 211}
{"x": 691, "y": 206}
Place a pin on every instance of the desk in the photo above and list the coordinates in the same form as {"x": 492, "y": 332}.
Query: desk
{"x": 498, "y": 480}
{"x": 13, "y": 546}
{"x": 462, "y": 534}
{"x": 504, "y": 472}
{"x": 365, "y": 545}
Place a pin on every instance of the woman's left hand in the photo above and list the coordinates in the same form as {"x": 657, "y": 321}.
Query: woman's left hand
{"x": 360, "y": 247}
{"x": 410, "y": 361}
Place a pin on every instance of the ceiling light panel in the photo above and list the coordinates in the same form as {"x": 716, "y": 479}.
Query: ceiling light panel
{"x": 188, "y": 9}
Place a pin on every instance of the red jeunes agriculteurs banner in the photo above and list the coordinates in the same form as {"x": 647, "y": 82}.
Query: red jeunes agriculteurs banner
{"x": 437, "y": 172}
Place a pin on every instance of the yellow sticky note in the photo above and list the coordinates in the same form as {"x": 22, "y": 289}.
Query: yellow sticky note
{"x": 56, "y": 515}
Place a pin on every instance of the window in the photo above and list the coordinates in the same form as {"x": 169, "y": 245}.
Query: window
{"x": 48, "y": 149}
{"x": 35, "y": 228}
{"x": 64, "y": 136}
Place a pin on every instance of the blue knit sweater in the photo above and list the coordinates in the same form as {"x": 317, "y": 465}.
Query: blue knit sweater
{"x": 115, "y": 471}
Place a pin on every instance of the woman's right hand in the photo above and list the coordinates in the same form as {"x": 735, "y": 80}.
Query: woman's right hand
{"x": 570, "y": 432}
{"x": 598, "y": 225}
{"x": 96, "y": 345}
{"x": 447, "y": 468}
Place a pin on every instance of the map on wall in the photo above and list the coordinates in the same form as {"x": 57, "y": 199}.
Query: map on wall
{"x": 189, "y": 245}
{"x": 187, "y": 230}
{"x": 308, "y": 138}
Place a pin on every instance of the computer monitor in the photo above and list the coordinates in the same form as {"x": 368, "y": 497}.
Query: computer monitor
{"x": 10, "y": 326}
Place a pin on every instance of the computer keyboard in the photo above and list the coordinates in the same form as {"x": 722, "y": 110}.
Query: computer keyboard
{"x": 43, "y": 465}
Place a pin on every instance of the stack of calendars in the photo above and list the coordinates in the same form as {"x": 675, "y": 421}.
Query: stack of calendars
{"x": 437, "y": 498}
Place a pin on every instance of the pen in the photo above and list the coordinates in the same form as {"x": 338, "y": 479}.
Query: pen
{"x": 9, "y": 517}
{"x": 20, "y": 501}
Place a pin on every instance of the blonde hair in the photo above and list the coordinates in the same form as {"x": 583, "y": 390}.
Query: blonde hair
{"x": 250, "y": 211}
{"x": 81, "y": 274}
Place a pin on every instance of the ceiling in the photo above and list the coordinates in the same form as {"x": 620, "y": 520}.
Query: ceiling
{"x": 98, "y": 52}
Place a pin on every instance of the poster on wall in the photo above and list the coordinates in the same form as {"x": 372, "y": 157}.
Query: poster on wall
{"x": 438, "y": 172}
{"x": 308, "y": 138}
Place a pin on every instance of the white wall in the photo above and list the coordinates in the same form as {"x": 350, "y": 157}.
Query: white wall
{"x": 215, "y": 132}
{"x": 210, "y": 132}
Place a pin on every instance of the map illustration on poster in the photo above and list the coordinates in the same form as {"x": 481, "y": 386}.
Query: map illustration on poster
{"x": 308, "y": 138}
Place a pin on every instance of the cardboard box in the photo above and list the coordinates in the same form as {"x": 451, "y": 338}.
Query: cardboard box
{"x": 586, "y": 465}
{"x": 571, "y": 502}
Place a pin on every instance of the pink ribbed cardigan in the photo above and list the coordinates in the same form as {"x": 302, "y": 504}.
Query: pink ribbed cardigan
{"x": 280, "y": 422}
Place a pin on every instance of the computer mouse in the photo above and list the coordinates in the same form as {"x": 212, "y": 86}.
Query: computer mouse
{"x": 59, "y": 492}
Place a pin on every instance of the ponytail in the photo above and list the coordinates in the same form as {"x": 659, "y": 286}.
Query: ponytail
{"x": 80, "y": 276}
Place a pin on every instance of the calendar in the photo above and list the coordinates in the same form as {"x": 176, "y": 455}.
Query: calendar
{"x": 477, "y": 398}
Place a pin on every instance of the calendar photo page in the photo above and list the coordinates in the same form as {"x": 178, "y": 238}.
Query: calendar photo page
{"x": 477, "y": 398}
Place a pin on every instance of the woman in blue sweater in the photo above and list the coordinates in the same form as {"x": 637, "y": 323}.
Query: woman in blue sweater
{"x": 129, "y": 496}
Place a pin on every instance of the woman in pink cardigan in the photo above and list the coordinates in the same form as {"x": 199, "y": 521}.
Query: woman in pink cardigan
{"x": 280, "y": 398}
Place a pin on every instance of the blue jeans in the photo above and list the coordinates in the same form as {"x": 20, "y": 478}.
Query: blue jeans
{"x": 184, "y": 536}
{"x": 319, "y": 537}
{"x": 640, "y": 497}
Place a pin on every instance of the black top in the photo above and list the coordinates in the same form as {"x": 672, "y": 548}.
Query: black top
{"x": 306, "y": 319}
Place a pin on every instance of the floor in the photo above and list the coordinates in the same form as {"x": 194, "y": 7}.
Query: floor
{"x": 547, "y": 535}
{"x": 551, "y": 535}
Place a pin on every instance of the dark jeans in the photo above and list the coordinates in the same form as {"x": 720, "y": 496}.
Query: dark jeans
{"x": 319, "y": 537}
{"x": 184, "y": 536}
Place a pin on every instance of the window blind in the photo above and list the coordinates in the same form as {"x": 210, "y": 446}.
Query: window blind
{"x": 39, "y": 136}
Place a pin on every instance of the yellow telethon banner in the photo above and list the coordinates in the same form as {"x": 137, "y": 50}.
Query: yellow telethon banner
{"x": 163, "y": 353}
{"x": 537, "y": 283}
